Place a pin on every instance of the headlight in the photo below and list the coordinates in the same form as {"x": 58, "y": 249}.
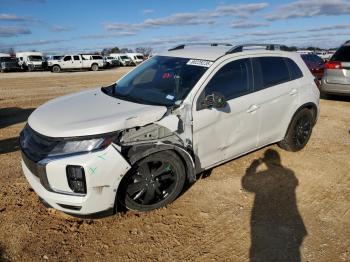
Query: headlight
{"x": 80, "y": 146}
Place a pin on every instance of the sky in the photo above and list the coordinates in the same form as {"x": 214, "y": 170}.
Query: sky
{"x": 66, "y": 26}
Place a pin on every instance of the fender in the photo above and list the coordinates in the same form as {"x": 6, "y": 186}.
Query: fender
{"x": 309, "y": 105}
{"x": 137, "y": 152}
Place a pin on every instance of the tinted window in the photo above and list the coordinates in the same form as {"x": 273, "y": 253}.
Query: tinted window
{"x": 232, "y": 80}
{"x": 76, "y": 57}
{"x": 67, "y": 58}
{"x": 96, "y": 57}
{"x": 342, "y": 54}
{"x": 294, "y": 69}
{"x": 273, "y": 71}
{"x": 307, "y": 58}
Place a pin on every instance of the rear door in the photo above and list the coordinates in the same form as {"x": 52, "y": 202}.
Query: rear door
{"x": 77, "y": 62}
{"x": 221, "y": 134}
{"x": 340, "y": 75}
{"x": 279, "y": 96}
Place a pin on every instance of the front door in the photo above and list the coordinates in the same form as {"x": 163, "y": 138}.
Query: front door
{"x": 221, "y": 134}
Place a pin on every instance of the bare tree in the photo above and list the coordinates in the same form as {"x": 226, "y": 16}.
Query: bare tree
{"x": 11, "y": 51}
{"x": 126, "y": 50}
{"x": 146, "y": 51}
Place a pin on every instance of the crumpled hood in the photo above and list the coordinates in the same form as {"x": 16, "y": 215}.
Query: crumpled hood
{"x": 89, "y": 113}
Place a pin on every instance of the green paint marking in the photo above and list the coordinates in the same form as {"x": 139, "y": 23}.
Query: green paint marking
{"x": 102, "y": 156}
{"x": 92, "y": 170}
{"x": 168, "y": 168}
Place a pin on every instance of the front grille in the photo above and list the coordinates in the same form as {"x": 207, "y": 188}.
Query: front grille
{"x": 35, "y": 146}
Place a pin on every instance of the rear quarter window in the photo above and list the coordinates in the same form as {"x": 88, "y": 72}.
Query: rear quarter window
{"x": 342, "y": 54}
{"x": 294, "y": 69}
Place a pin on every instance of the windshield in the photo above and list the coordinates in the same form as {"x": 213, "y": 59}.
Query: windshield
{"x": 160, "y": 80}
{"x": 139, "y": 57}
{"x": 35, "y": 58}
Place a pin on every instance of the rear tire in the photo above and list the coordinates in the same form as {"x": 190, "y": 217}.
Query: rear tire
{"x": 299, "y": 131}
{"x": 94, "y": 67}
{"x": 153, "y": 182}
{"x": 56, "y": 69}
{"x": 30, "y": 68}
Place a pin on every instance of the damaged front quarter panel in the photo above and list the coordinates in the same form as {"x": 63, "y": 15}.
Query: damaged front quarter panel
{"x": 165, "y": 134}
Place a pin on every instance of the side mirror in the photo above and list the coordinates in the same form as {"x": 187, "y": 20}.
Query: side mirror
{"x": 214, "y": 100}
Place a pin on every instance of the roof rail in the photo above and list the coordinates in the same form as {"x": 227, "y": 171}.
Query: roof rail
{"x": 240, "y": 48}
{"x": 182, "y": 46}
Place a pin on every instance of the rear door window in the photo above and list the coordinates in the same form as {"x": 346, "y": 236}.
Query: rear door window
{"x": 342, "y": 54}
{"x": 271, "y": 71}
{"x": 76, "y": 57}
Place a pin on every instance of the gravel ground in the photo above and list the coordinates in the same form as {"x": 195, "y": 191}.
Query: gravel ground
{"x": 296, "y": 202}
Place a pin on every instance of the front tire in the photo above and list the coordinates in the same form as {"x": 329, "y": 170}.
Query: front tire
{"x": 299, "y": 131}
{"x": 153, "y": 182}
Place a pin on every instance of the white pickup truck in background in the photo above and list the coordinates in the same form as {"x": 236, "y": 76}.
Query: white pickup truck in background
{"x": 76, "y": 62}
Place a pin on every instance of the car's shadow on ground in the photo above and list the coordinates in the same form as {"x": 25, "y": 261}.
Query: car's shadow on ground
{"x": 3, "y": 257}
{"x": 335, "y": 97}
{"x": 14, "y": 115}
{"x": 8, "y": 117}
{"x": 9, "y": 145}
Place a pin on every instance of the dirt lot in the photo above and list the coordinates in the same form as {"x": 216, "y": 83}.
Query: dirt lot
{"x": 301, "y": 205}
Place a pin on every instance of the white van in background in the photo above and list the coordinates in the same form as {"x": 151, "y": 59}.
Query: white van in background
{"x": 31, "y": 61}
{"x": 136, "y": 58}
{"x": 123, "y": 59}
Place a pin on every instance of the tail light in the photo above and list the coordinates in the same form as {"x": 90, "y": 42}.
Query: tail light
{"x": 333, "y": 65}
{"x": 317, "y": 82}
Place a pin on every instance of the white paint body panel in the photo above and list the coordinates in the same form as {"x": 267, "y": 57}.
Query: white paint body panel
{"x": 221, "y": 135}
{"x": 90, "y": 112}
{"x": 103, "y": 171}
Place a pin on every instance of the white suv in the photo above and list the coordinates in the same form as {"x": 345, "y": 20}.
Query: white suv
{"x": 137, "y": 141}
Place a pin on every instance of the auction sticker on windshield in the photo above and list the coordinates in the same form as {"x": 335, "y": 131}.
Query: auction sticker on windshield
{"x": 199, "y": 62}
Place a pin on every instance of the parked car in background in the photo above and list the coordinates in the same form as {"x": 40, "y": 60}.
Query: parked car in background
{"x": 136, "y": 58}
{"x": 111, "y": 61}
{"x": 31, "y": 61}
{"x": 76, "y": 62}
{"x": 315, "y": 64}
{"x": 8, "y": 63}
{"x": 123, "y": 59}
{"x": 137, "y": 141}
{"x": 336, "y": 79}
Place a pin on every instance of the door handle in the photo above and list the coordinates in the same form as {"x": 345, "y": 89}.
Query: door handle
{"x": 293, "y": 92}
{"x": 252, "y": 108}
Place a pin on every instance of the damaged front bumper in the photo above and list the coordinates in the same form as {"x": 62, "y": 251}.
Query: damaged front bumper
{"x": 103, "y": 170}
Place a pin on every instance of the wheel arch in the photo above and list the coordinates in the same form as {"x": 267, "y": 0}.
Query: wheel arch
{"x": 311, "y": 106}
{"x": 138, "y": 152}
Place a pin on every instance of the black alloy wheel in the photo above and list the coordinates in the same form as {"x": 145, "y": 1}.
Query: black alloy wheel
{"x": 153, "y": 182}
